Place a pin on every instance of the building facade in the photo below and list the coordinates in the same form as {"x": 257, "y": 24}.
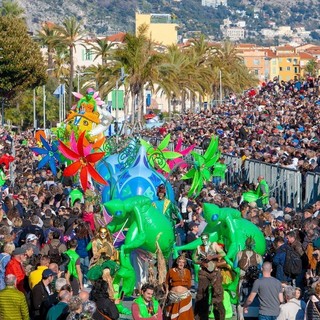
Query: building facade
{"x": 161, "y": 27}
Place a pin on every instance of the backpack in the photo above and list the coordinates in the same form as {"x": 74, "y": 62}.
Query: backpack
{"x": 54, "y": 254}
{"x": 293, "y": 263}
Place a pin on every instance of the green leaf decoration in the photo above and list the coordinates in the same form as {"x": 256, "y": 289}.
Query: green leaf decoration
{"x": 200, "y": 170}
{"x": 158, "y": 156}
{"x": 164, "y": 143}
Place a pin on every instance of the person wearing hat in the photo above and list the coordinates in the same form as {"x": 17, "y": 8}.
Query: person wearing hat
{"x": 33, "y": 241}
{"x": 42, "y": 295}
{"x": 13, "y": 303}
{"x": 33, "y": 229}
{"x": 15, "y": 267}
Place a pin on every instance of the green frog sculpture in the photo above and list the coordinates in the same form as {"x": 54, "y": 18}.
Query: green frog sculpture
{"x": 226, "y": 226}
{"x": 147, "y": 227}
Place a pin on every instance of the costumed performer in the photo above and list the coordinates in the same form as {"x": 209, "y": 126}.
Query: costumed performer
{"x": 179, "y": 300}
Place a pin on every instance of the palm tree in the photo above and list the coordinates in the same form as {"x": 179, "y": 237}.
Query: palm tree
{"x": 201, "y": 54}
{"x": 141, "y": 64}
{"x": 168, "y": 75}
{"x": 46, "y": 36}
{"x": 235, "y": 75}
{"x": 102, "y": 48}
{"x": 11, "y": 8}
{"x": 68, "y": 35}
{"x": 311, "y": 67}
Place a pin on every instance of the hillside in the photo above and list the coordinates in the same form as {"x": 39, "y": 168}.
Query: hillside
{"x": 105, "y": 16}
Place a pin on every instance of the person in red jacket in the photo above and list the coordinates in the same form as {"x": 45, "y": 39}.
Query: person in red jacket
{"x": 15, "y": 267}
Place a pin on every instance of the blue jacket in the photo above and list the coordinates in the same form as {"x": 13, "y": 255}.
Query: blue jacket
{"x": 82, "y": 245}
{"x": 278, "y": 262}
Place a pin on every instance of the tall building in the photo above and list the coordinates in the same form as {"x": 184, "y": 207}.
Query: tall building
{"x": 162, "y": 28}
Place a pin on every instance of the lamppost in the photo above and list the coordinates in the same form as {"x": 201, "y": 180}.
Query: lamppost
{"x": 220, "y": 85}
{"x": 121, "y": 79}
{"x": 44, "y": 101}
{"x": 2, "y": 111}
{"x": 34, "y": 110}
{"x": 79, "y": 74}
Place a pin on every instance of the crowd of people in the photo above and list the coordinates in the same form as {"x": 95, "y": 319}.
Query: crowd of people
{"x": 277, "y": 124}
{"x": 55, "y": 249}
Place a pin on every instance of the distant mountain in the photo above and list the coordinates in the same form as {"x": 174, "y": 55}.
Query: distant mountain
{"x": 106, "y": 16}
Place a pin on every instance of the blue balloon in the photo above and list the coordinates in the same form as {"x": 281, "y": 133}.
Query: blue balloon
{"x": 139, "y": 179}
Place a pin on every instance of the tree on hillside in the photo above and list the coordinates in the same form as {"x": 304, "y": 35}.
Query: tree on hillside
{"x": 68, "y": 35}
{"x": 22, "y": 65}
{"x": 11, "y": 8}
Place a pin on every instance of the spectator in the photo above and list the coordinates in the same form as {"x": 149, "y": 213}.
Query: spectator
{"x": 13, "y": 303}
{"x": 73, "y": 273}
{"x": 313, "y": 304}
{"x": 36, "y": 276}
{"x": 75, "y": 308}
{"x": 279, "y": 260}
{"x": 55, "y": 248}
{"x": 15, "y": 267}
{"x": 5, "y": 257}
{"x": 105, "y": 307}
{"x": 293, "y": 308}
{"x": 269, "y": 291}
{"x": 61, "y": 309}
{"x": 42, "y": 295}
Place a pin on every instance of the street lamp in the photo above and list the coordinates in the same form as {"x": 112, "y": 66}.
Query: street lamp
{"x": 220, "y": 85}
{"x": 44, "y": 101}
{"x": 121, "y": 79}
{"x": 79, "y": 74}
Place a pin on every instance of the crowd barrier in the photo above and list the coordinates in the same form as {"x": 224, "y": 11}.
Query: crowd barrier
{"x": 288, "y": 186}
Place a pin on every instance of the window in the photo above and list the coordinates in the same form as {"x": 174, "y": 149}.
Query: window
{"x": 87, "y": 55}
{"x": 296, "y": 69}
{"x": 289, "y": 60}
{"x": 295, "y": 61}
{"x": 256, "y": 72}
{"x": 288, "y": 68}
{"x": 256, "y": 62}
{"x": 280, "y": 68}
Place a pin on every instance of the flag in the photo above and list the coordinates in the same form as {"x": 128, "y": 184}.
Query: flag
{"x": 59, "y": 91}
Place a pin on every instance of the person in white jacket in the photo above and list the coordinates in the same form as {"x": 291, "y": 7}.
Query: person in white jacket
{"x": 293, "y": 308}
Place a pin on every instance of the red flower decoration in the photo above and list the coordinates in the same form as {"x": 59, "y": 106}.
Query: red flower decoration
{"x": 83, "y": 162}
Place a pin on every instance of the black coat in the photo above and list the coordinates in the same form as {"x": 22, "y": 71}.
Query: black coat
{"x": 107, "y": 307}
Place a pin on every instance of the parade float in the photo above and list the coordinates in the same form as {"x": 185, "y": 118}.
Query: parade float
{"x": 127, "y": 175}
